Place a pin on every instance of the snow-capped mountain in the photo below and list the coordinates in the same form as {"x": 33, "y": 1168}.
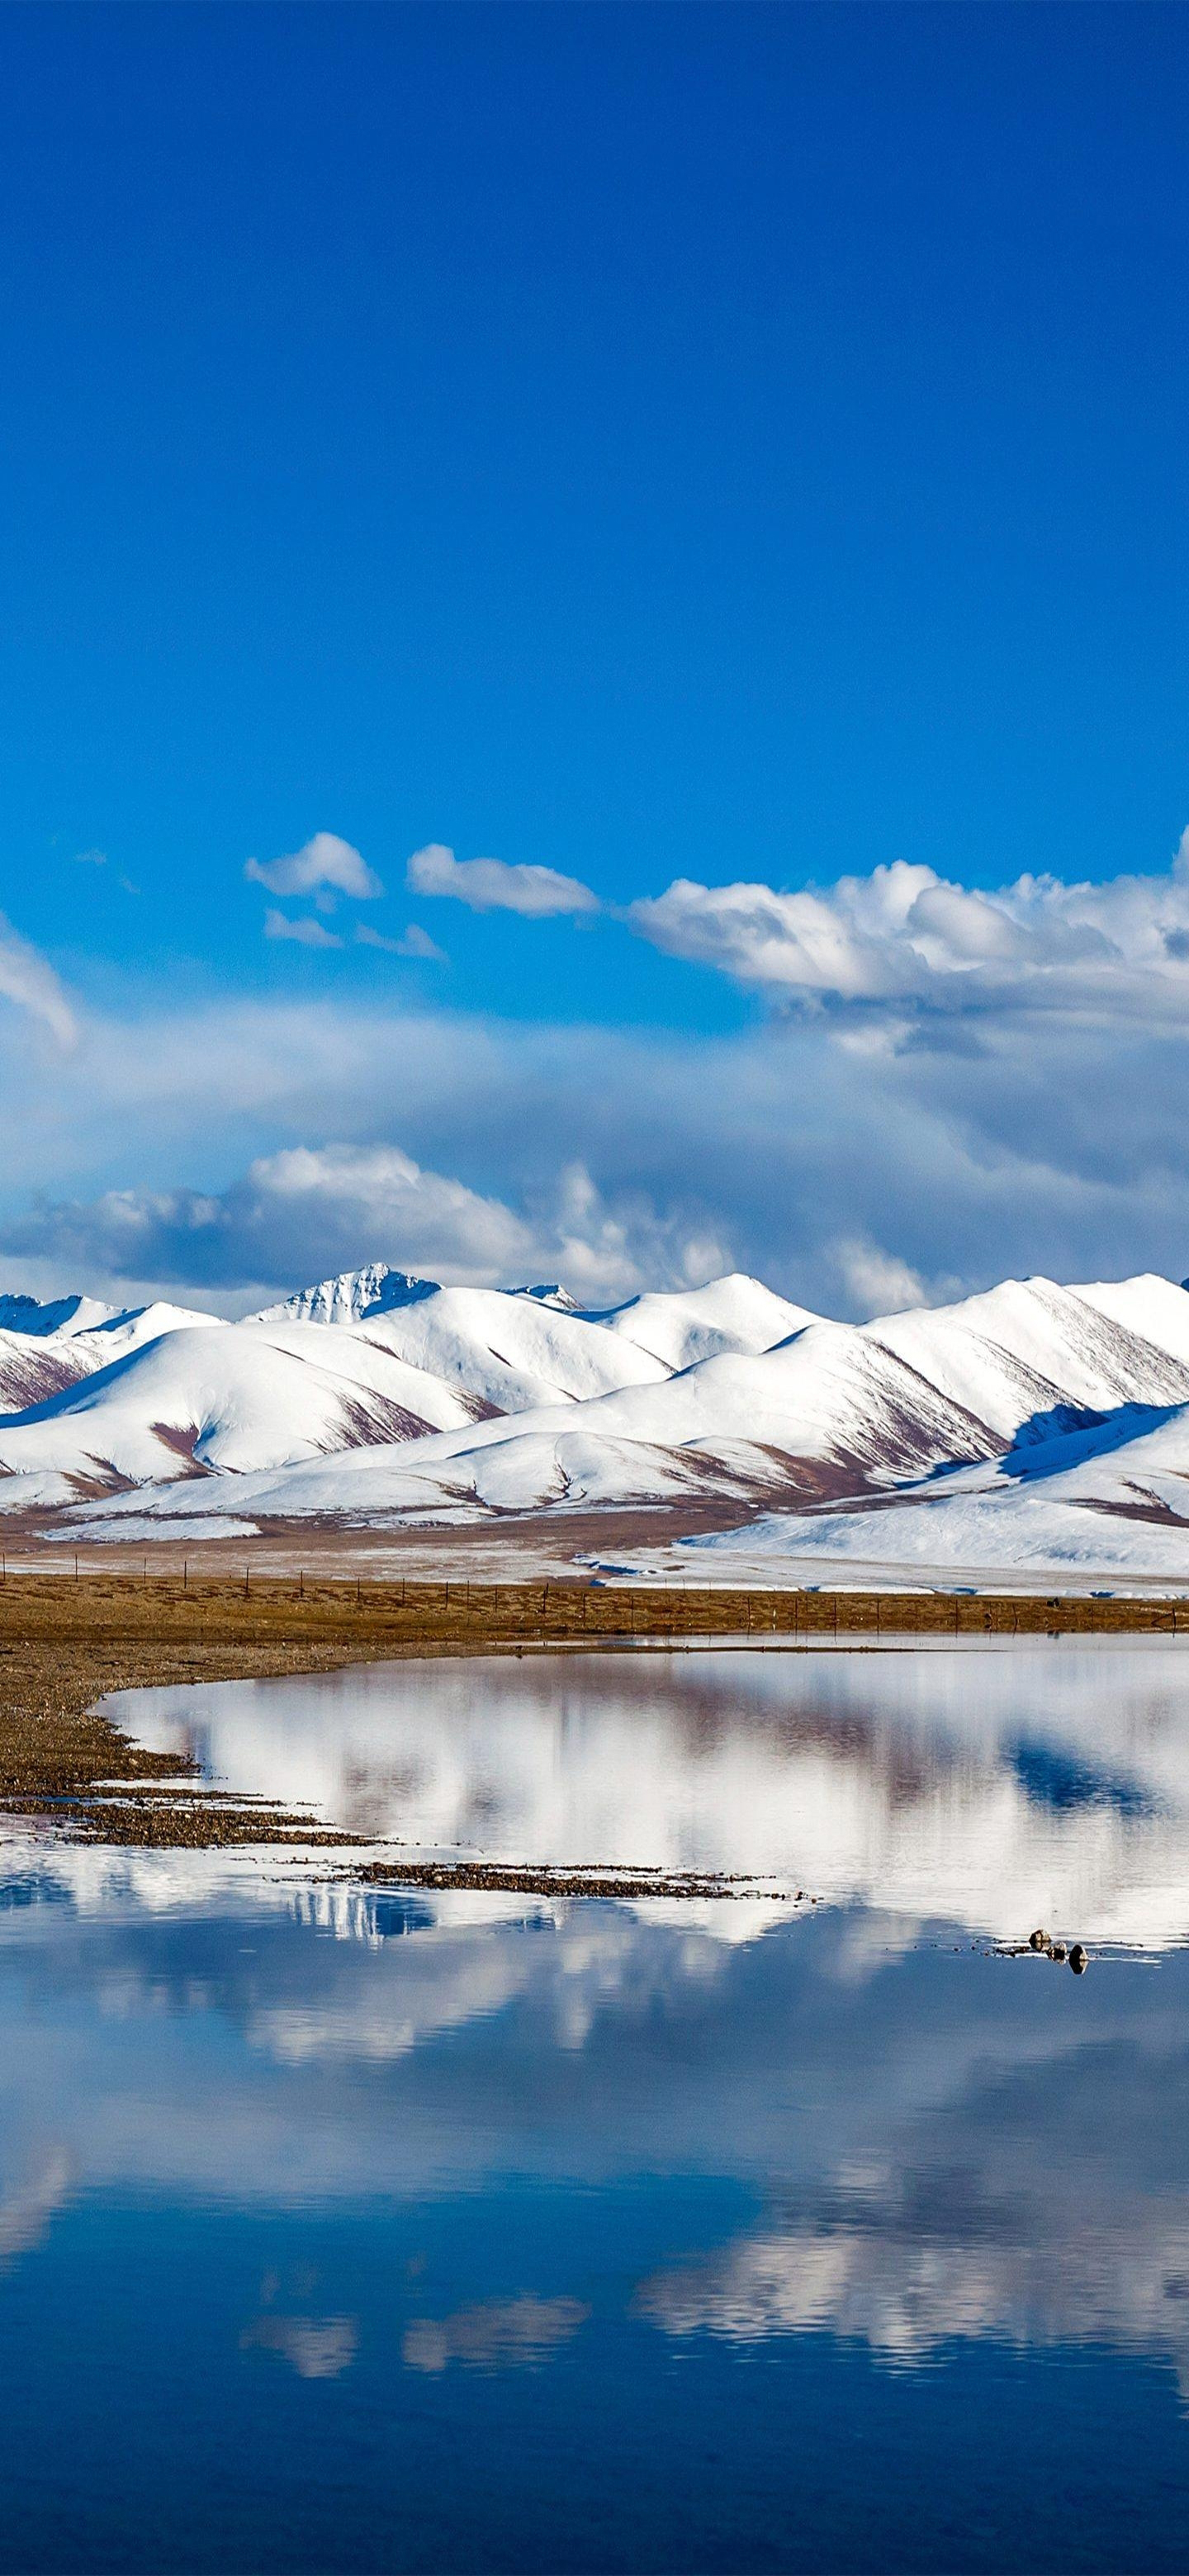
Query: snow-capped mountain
{"x": 1033, "y": 1423}
{"x": 45, "y": 1347}
{"x": 733, "y": 1314}
{"x": 346, "y": 1300}
{"x": 54, "y": 1317}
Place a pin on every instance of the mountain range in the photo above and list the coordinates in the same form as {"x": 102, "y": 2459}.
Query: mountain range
{"x": 1032, "y": 1426}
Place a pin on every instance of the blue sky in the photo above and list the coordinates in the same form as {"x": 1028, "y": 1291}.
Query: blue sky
{"x": 743, "y": 447}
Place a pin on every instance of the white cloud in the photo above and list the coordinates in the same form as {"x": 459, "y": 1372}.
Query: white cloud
{"x": 307, "y": 932}
{"x": 973, "y": 1144}
{"x": 490, "y": 885}
{"x": 310, "y": 1211}
{"x": 599, "y": 1249}
{"x": 324, "y": 867}
{"x": 415, "y": 943}
{"x": 352, "y": 1196}
{"x": 28, "y": 979}
{"x": 905, "y": 940}
{"x": 767, "y": 1147}
{"x": 875, "y": 1282}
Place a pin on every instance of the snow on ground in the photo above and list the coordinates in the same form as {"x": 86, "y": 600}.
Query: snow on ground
{"x": 1025, "y": 1350}
{"x": 732, "y": 1314}
{"x": 1110, "y": 1499}
{"x": 1033, "y": 1426}
{"x": 228, "y": 1400}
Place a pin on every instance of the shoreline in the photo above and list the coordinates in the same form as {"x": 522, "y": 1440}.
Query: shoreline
{"x": 67, "y": 1642}
{"x": 641, "y": 1548}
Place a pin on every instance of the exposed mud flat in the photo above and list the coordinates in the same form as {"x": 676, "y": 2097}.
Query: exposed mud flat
{"x": 65, "y": 1643}
{"x": 540, "y": 1879}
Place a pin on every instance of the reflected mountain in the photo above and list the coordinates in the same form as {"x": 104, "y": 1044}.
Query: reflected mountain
{"x": 989, "y": 1787}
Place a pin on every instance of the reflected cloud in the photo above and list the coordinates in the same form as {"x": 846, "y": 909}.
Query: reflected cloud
{"x": 908, "y": 2295}
{"x": 26, "y": 2212}
{"x": 500, "y": 2334}
{"x": 315, "y": 2347}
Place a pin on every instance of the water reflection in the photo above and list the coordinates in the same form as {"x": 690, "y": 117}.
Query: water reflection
{"x": 354, "y": 2229}
{"x": 989, "y": 1788}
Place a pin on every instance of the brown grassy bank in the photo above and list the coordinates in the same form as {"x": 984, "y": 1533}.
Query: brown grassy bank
{"x": 65, "y": 1642}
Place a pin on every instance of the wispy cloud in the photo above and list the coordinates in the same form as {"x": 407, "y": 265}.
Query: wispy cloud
{"x": 315, "y": 2347}
{"x": 875, "y": 1282}
{"x": 28, "y": 979}
{"x": 307, "y": 932}
{"x": 98, "y": 859}
{"x": 324, "y": 867}
{"x": 500, "y": 2334}
{"x": 415, "y": 943}
{"x": 491, "y": 885}
{"x": 26, "y": 2214}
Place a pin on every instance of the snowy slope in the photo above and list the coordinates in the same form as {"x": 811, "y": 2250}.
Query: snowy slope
{"x": 533, "y": 1343}
{"x": 137, "y": 1326}
{"x": 1029, "y": 1349}
{"x": 1147, "y": 1305}
{"x": 99, "y": 1331}
{"x": 32, "y": 1368}
{"x": 1113, "y": 1497}
{"x": 832, "y": 1412}
{"x": 58, "y": 1315}
{"x": 682, "y": 1327}
{"x": 1034, "y": 1424}
{"x": 509, "y": 1349}
{"x": 232, "y": 1401}
{"x": 829, "y": 1411}
{"x": 349, "y": 1297}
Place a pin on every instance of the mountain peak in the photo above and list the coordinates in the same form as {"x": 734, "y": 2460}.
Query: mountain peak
{"x": 20, "y": 1313}
{"x": 548, "y": 1293}
{"x": 346, "y": 1299}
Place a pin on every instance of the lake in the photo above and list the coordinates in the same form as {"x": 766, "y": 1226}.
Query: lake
{"x": 349, "y": 2226}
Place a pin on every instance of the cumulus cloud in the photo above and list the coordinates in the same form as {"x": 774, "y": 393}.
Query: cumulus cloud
{"x": 324, "y": 867}
{"x": 958, "y": 1147}
{"x": 490, "y": 885}
{"x": 415, "y": 943}
{"x": 310, "y": 1211}
{"x": 307, "y": 932}
{"x": 350, "y": 1194}
{"x": 302, "y": 1211}
{"x": 28, "y": 979}
{"x": 768, "y": 1147}
{"x": 906, "y": 940}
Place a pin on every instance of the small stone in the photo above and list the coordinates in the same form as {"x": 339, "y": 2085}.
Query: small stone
{"x": 1059, "y": 1950}
{"x": 1079, "y": 1959}
{"x": 1038, "y": 1940}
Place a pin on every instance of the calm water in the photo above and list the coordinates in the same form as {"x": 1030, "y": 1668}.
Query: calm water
{"x": 385, "y": 2231}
